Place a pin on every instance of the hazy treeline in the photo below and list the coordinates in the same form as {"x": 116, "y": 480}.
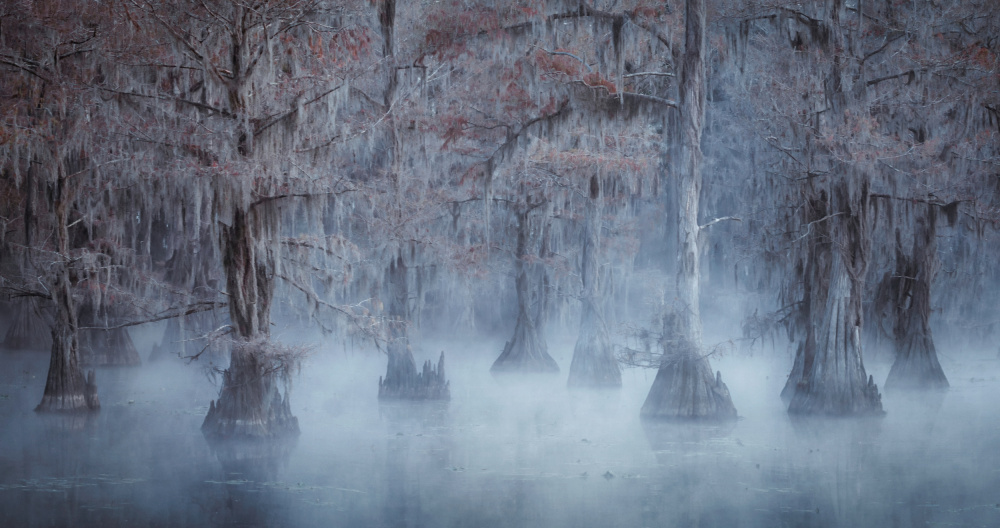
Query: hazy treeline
{"x": 390, "y": 171}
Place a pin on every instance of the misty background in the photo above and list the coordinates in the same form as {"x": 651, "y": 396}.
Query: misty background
{"x": 499, "y": 263}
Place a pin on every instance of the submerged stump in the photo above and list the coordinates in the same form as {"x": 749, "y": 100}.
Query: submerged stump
{"x": 403, "y": 382}
{"x": 251, "y": 402}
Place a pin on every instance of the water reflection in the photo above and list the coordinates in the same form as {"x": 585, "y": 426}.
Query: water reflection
{"x": 497, "y": 455}
{"x": 693, "y": 483}
{"x": 73, "y": 422}
{"x": 838, "y": 473}
{"x": 416, "y": 449}
{"x": 258, "y": 460}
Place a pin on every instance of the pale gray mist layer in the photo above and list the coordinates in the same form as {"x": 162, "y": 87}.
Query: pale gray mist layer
{"x": 532, "y": 454}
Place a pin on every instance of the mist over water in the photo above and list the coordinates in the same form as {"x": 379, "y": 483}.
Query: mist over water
{"x": 511, "y": 453}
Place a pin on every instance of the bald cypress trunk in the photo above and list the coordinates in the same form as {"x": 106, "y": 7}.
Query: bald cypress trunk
{"x": 249, "y": 267}
{"x": 66, "y": 388}
{"x": 916, "y": 365}
{"x": 251, "y": 403}
{"x": 594, "y": 363}
{"x": 526, "y": 351}
{"x": 684, "y": 387}
{"x": 402, "y": 381}
{"x": 833, "y": 380}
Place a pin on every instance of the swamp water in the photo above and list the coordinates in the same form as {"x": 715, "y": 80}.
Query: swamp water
{"x": 524, "y": 455}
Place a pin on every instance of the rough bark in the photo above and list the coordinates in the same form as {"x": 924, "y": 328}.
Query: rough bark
{"x": 66, "y": 388}
{"x": 916, "y": 365}
{"x": 526, "y": 351}
{"x": 833, "y": 379}
{"x": 684, "y": 387}
{"x": 594, "y": 363}
{"x": 251, "y": 404}
{"x": 402, "y": 381}
{"x": 249, "y": 267}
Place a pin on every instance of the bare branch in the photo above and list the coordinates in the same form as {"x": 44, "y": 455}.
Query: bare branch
{"x": 568, "y": 54}
{"x": 649, "y": 73}
{"x": 720, "y": 219}
{"x": 198, "y": 307}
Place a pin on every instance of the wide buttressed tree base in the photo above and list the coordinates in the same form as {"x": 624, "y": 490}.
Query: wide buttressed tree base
{"x": 252, "y": 403}
{"x": 525, "y": 353}
{"x": 908, "y": 291}
{"x": 66, "y": 387}
{"x": 685, "y": 389}
{"x": 594, "y": 364}
{"x": 833, "y": 381}
{"x": 916, "y": 366}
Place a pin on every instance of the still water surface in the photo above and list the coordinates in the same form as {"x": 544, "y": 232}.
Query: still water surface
{"x": 525, "y": 455}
